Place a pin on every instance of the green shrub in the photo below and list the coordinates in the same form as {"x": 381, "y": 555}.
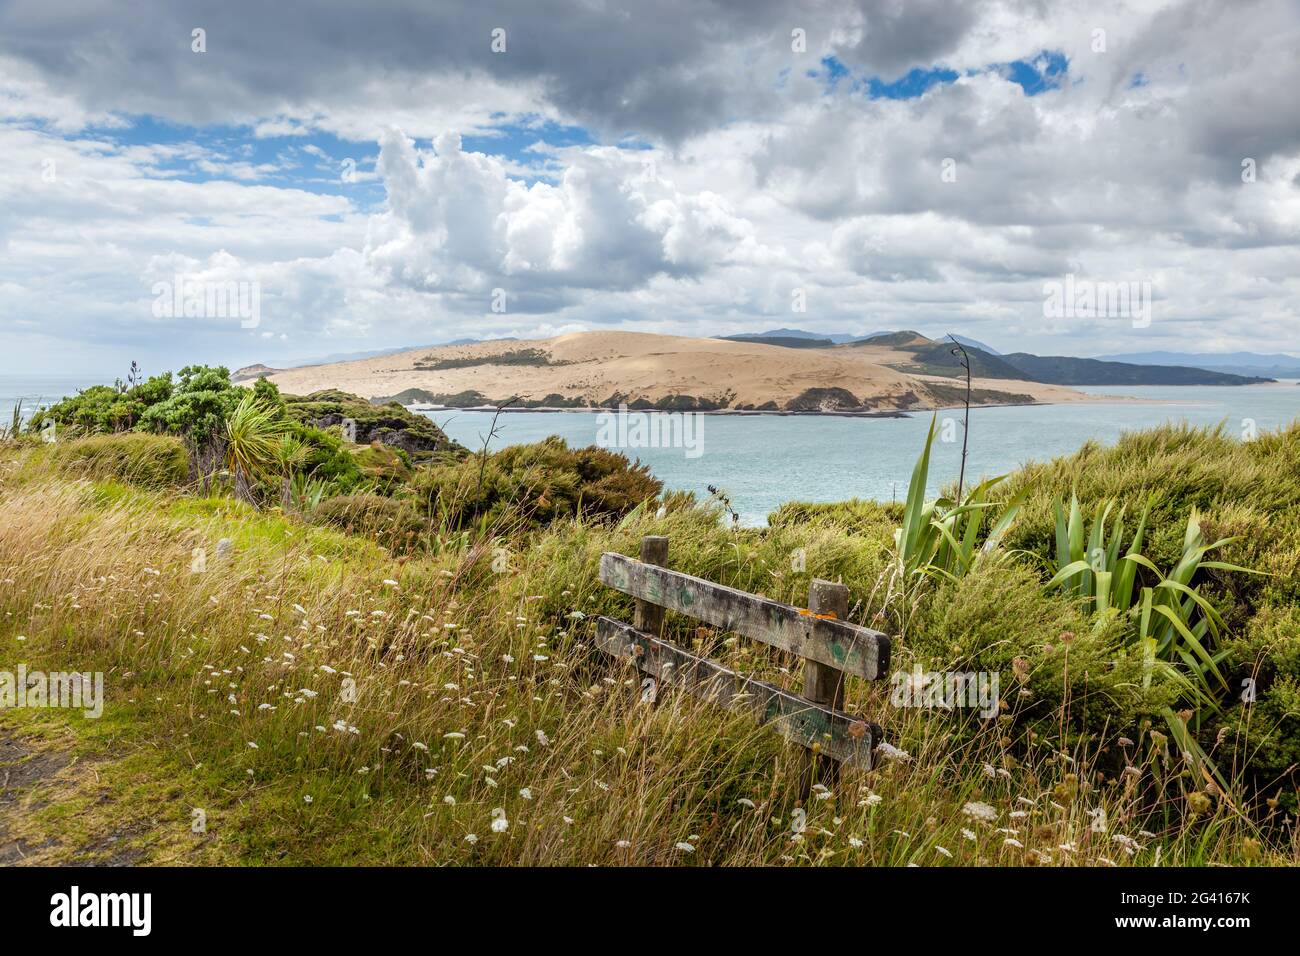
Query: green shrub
{"x": 538, "y": 483}
{"x": 869, "y": 519}
{"x": 393, "y": 523}
{"x": 153, "y": 461}
{"x": 1054, "y": 668}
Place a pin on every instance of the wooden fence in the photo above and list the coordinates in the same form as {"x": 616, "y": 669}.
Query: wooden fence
{"x": 830, "y": 646}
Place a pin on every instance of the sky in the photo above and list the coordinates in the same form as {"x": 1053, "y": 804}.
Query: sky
{"x": 408, "y": 172}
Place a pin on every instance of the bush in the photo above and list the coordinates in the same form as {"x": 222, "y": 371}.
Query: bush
{"x": 154, "y": 461}
{"x": 870, "y": 519}
{"x": 1052, "y": 668}
{"x": 392, "y": 523}
{"x": 539, "y": 482}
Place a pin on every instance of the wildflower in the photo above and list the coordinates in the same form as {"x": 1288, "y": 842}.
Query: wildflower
{"x": 499, "y": 822}
{"x": 471, "y": 838}
{"x": 968, "y": 834}
{"x": 575, "y": 616}
{"x": 419, "y": 746}
{"x": 622, "y": 844}
{"x": 980, "y": 811}
{"x": 1129, "y": 845}
{"x": 855, "y": 842}
{"x": 1012, "y": 841}
{"x": 746, "y": 802}
{"x": 449, "y": 800}
{"x": 684, "y": 847}
{"x": 944, "y": 852}
{"x": 567, "y": 820}
{"x": 389, "y": 582}
{"x": 306, "y": 798}
{"x": 252, "y": 745}
{"x": 526, "y": 793}
{"x": 890, "y": 752}
{"x": 430, "y": 773}
{"x": 307, "y": 692}
{"x": 873, "y": 799}
{"x": 453, "y": 735}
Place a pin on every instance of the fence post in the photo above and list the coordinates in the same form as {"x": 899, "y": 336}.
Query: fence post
{"x": 650, "y": 617}
{"x": 823, "y": 684}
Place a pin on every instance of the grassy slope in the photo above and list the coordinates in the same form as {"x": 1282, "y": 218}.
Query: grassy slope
{"x": 472, "y": 687}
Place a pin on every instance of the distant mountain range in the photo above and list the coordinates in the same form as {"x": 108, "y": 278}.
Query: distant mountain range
{"x": 835, "y": 338}
{"x": 1272, "y": 365}
{"x": 935, "y": 357}
{"x": 824, "y": 339}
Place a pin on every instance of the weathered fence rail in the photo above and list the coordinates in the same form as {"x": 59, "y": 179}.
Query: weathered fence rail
{"x": 830, "y": 646}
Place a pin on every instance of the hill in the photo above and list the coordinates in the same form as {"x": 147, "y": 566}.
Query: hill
{"x": 606, "y": 369}
{"x": 1065, "y": 370}
{"x": 928, "y": 356}
{"x": 1272, "y": 365}
{"x": 838, "y": 338}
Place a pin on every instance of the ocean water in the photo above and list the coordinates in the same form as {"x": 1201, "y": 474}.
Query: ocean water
{"x": 35, "y": 391}
{"x": 762, "y": 461}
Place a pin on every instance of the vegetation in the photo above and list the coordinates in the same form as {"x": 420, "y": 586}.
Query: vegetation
{"x": 406, "y": 674}
{"x": 513, "y": 357}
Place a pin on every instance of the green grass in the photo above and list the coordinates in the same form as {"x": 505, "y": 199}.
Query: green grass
{"x": 483, "y": 639}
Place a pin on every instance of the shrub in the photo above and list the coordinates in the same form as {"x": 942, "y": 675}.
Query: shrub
{"x": 870, "y": 519}
{"x": 154, "y": 461}
{"x": 393, "y": 523}
{"x": 539, "y": 482}
{"x": 1054, "y": 668}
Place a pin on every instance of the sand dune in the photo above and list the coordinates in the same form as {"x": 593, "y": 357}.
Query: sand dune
{"x": 595, "y": 368}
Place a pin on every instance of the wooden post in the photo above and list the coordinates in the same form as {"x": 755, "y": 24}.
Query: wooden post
{"x": 650, "y": 617}
{"x": 822, "y": 684}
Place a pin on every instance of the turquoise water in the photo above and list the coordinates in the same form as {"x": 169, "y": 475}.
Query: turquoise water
{"x": 764, "y": 460}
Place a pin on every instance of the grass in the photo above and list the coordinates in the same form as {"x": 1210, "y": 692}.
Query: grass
{"x": 327, "y": 701}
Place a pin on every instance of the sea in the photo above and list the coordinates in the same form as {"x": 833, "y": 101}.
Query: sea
{"x": 761, "y": 461}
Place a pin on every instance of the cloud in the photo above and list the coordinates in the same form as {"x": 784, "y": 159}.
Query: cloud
{"x": 459, "y": 225}
{"x": 716, "y": 171}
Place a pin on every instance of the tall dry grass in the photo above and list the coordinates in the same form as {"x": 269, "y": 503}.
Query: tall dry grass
{"x": 347, "y": 706}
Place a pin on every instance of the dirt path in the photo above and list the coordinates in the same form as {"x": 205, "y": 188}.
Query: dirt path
{"x": 60, "y": 805}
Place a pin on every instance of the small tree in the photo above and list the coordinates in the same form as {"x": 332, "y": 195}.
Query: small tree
{"x": 290, "y": 454}
{"x": 197, "y": 410}
{"x": 251, "y": 434}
